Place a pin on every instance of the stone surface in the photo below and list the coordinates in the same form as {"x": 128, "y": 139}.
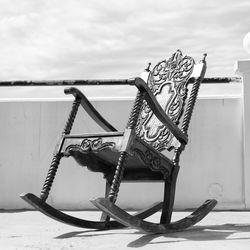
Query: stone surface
{"x": 32, "y": 230}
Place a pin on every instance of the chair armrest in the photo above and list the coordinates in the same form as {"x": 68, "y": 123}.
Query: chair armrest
{"x": 158, "y": 111}
{"x": 89, "y": 108}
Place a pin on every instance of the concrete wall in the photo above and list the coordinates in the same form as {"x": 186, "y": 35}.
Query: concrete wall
{"x": 33, "y": 118}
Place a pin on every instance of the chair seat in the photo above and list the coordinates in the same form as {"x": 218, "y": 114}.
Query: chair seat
{"x": 100, "y": 153}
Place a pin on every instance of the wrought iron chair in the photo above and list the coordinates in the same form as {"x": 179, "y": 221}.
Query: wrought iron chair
{"x": 136, "y": 153}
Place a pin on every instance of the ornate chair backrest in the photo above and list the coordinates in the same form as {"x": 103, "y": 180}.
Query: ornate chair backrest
{"x": 168, "y": 81}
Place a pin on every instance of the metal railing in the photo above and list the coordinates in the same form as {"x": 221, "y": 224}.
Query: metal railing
{"x": 103, "y": 82}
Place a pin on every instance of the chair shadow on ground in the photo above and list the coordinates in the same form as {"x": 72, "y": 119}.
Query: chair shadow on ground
{"x": 195, "y": 233}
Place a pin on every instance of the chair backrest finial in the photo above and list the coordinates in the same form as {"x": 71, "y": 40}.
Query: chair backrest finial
{"x": 148, "y": 68}
{"x": 204, "y": 57}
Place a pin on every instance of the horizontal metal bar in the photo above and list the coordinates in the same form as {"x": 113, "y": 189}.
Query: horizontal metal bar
{"x": 67, "y": 82}
{"x": 103, "y": 82}
{"x": 218, "y": 80}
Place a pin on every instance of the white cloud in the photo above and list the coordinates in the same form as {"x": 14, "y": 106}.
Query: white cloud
{"x": 103, "y": 39}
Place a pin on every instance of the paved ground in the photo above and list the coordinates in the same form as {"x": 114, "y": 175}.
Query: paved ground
{"x": 33, "y": 230}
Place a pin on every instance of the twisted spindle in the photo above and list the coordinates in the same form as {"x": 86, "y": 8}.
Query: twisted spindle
{"x": 135, "y": 110}
{"x": 190, "y": 106}
{"x": 123, "y": 155}
{"x": 50, "y": 177}
{"x": 117, "y": 177}
{"x": 193, "y": 97}
{"x": 57, "y": 157}
{"x": 72, "y": 116}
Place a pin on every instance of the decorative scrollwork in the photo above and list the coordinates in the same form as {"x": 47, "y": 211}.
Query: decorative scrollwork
{"x": 95, "y": 144}
{"x": 168, "y": 82}
{"x": 153, "y": 161}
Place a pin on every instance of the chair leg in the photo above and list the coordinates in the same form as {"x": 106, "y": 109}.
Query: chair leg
{"x": 169, "y": 196}
{"x": 104, "y": 216}
{"x": 57, "y": 156}
{"x": 114, "y": 189}
{"x": 50, "y": 176}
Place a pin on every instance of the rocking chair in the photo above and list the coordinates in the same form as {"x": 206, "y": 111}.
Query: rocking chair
{"x": 137, "y": 153}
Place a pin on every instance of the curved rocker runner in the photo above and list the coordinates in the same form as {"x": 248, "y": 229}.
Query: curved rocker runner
{"x": 55, "y": 214}
{"x": 134, "y": 155}
{"x": 135, "y": 222}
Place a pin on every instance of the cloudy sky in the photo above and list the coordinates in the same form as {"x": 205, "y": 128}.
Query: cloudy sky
{"x": 82, "y": 39}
